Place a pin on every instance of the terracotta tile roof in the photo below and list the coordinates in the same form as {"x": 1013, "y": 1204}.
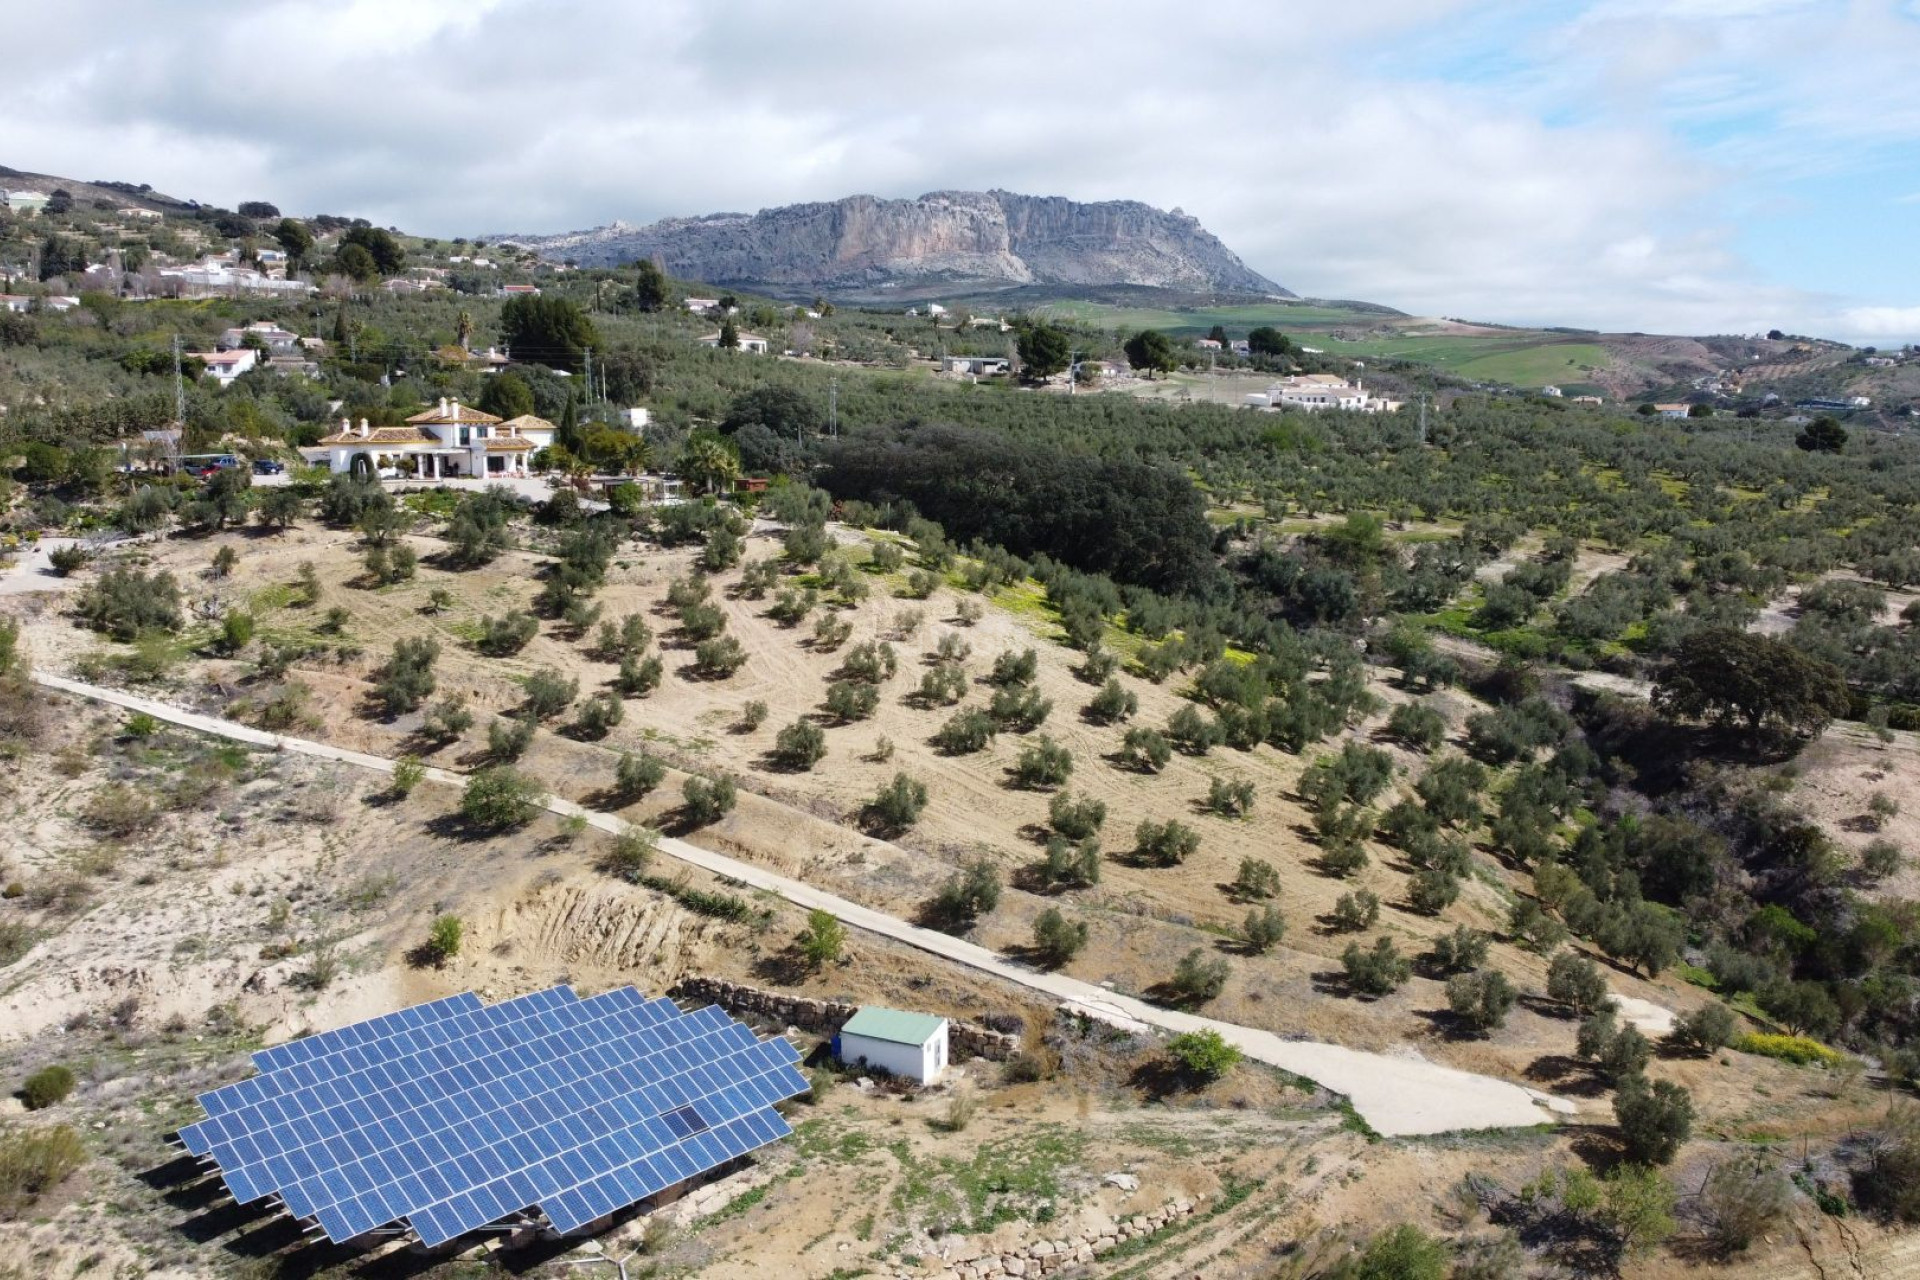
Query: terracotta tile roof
{"x": 515, "y": 445}
{"x": 527, "y": 422}
{"x": 382, "y": 435}
{"x": 454, "y": 413}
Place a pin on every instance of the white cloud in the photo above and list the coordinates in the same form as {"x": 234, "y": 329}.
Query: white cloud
{"x": 1275, "y": 124}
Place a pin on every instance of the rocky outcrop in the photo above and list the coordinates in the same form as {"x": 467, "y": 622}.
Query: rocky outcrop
{"x": 958, "y": 240}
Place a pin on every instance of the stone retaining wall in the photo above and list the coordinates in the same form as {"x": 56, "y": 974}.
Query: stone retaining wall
{"x": 826, "y": 1017}
{"x": 1044, "y": 1257}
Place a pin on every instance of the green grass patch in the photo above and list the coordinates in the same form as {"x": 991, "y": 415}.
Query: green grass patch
{"x": 998, "y": 1182}
{"x": 1696, "y": 975}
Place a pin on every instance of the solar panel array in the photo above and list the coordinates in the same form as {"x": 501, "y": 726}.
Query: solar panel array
{"x": 456, "y": 1114}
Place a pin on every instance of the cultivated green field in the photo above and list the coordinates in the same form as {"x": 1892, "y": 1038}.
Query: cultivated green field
{"x": 1523, "y": 359}
{"x": 1196, "y": 321}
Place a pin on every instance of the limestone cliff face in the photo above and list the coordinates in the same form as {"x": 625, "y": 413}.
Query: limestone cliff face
{"x": 954, "y": 239}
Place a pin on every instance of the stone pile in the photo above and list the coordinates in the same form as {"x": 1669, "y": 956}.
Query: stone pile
{"x": 825, "y": 1017}
{"x": 1044, "y": 1257}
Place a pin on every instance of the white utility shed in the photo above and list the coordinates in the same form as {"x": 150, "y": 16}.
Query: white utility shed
{"x": 913, "y": 1045}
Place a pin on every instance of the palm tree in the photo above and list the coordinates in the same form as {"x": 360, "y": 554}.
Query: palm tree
{"x": 709, "y": 462}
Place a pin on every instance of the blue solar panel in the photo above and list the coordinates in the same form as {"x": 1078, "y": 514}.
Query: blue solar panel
{"x": 456, "y": 1114}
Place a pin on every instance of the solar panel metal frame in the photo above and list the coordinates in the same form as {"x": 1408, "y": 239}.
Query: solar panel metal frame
{"x": 595, "y": 1077}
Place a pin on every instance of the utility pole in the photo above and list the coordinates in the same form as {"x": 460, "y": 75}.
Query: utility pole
{"x": 589, "y": 377}
{"x": 1423, "y": 417}
{"x": 179, "y": 389}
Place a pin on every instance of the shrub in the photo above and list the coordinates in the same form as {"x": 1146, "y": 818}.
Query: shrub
{"x": 34, "y": 1161}
{"x": 708, "y": 799}
{"x": 1705, "y": 1030}
{"x": 1076, "y": 819}
{"x": 1357, "y": 775}
{"x": 638, "y": 676}
{"x": 406, "y": 679}
{"x": 499, "y": 798}
{"x": 1655, "y": 1119}
{"x": 791, "y": 606}
{"x": 1257, "y": 879}
{"x": 831, "y": 631}
{"x": 1743, "y": 1198}
{"x": 823, "y": 940}
{"x": 1577, "y": 982}
{"x": 1343, "y": 857}
{"x": 1459, "y": 951}
{"x": 122, "y": 603}
{"x": 47, "y": 1087}
{"x": 1798, "y": 1050}
{"x": 629, "y": 855}
{"x": 1057, "y": 939}
{"x": 408, "y": 773}
{"x": 799, "y": 746}
{"x": 628, "y": 639}
{"x": 1880, "y": 859}
{"x": 598, "y": 716}
{"x": 1198, "y": 978}
{"x": 1043, "y": 763}
{"x": 1619, "y": 1052}
{"x": 1432, "y": 891}
{"x": 849, "y": 700}
{"x": 752, "y": 716}
{"x": 1533, "y": 928}
{"x": 898, "y": 805}
{"x": 1015, "y": 668}
{"x": 1417, "y": 726}
{"x": 702, "y": 621}
{"x": 1263, "y": 929}
{"x": 1230, "y": 799}
{"x": 871, "y": 662}
{"x": 508, "y": 740}
{"x": 236, "y": 631}
{"x": 965, "y": 733}
{"x": 1376, "y": 971}
{"x": 119, "y": 811}
{"x": 1145, "y": 750}
{"x": 502, "y": 637}
{"x": 1070, "y": 863}
{"x": 1019, "y": 708}
{"x": 1481, "y": 1000}
{"x": 636, "y": 775}
{"x": 719, "y": 657}
{"x": 1202, "y": 1055}
{"x": 952, "y": 649}
{"x": 1165, "y": 844}
{"x": 967, "y": 895}
{"x": 1113, "y": 704}
{"x": 443, "y": 939}
{"x": 942, "y": 686}
{"x": 1403, "y": 1252}
{"x": 1356, "y": 911}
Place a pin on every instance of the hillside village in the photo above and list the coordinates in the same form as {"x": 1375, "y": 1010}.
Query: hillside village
{"x": 950, "y": 791}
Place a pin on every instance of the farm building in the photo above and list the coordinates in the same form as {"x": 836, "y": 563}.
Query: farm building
{"x": 912, "y": 1045}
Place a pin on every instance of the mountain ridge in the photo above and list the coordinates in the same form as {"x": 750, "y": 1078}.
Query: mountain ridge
{"x": 939, "y": 241}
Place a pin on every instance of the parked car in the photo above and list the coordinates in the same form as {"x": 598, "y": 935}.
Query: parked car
{"x": 268, "y": 467}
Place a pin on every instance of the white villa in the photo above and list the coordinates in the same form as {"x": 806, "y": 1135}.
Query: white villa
{"x": 748, "y": 341}
{"x": 1316, "y": 391}
{"x": 449, "y": 440}
{"x": 225, "y": 366}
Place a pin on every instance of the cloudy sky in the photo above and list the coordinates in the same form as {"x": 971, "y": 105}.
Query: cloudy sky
{"x": 1667, "y": 165}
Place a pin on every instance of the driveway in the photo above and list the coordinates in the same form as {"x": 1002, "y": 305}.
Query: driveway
{"x": 1397, "y": 1095}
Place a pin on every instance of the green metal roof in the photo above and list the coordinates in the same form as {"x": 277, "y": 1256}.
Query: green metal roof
{"x": 892, "y": 1025}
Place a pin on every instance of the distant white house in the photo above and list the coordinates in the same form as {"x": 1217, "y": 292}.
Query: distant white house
{"x": 1672, "y": 410}
{"x": 1550, "y": 390}
{"x": 25, "y": 202}
{"x": 700, "y": 306}
{"x": 910, "y": 1045}
{"x": 449, "y": 440}
{"x": 225, "y": 366}
{"x": 59, "y": 302}
{"x": 1589, "y": 399}
{"x": 146, "y": 215}
{"x": 279, "y": 341}
{"x": 15, "y": 302}
{"x": 748, "y": 341}
{"x": 979, "y": 366}
{"x": 636, "y": 418}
